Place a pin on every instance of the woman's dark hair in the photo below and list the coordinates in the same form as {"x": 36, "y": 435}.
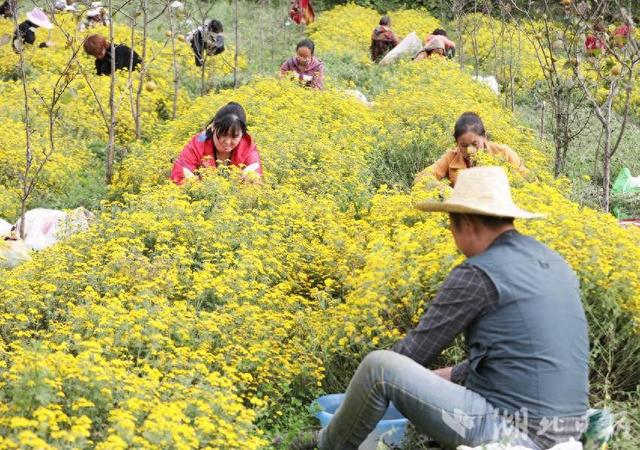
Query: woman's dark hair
{"x": 439, "y": 32}
{"x": 215, "y": 26}
{"x": 385, "y": 21}
{"x": 229, "y": 120}
{"x": 308, "y": 43}
{"x": 469, "y": 122}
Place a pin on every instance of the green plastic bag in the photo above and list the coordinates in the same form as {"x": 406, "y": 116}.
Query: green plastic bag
{"x": 625, "y": 182}
{"x": 625, "y": 197}
{"x": 599, "y": 429}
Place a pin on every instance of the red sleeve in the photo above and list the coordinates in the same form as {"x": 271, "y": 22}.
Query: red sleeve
{"x": 190, "y": 158}
{"x": 285, "y": 67}
{"x": 253, "y": 158}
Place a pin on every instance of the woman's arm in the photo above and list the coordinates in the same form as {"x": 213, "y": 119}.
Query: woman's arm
{"x": 285, "y": 67}
{"x": 516, "y": 161}
{"x": 437, "y": 170}
{"x": 187, "y": 162}
{"x": 99, "y": 71}
{"x": 252, "y": 162}
{"x": 252, "y": 166}
{"x": 29, "y": 36}
{"x": 318, "y": 77}
{"x": 394, "y": 38}
{"x": 512, "y": 158}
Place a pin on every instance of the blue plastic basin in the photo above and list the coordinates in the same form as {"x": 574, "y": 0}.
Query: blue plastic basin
{"x": 390, "y": 429}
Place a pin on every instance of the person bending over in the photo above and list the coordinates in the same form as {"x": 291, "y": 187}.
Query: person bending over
{"x": 225, "y": 141}
{"x": 98, "y": 47}
{"x": 308, "y": 69}
{"x": 471, "y": 137}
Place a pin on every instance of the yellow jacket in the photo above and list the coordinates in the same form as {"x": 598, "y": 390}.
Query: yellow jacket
{"x": 453, "y": 161}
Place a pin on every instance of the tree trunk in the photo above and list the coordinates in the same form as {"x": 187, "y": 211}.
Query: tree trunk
{"x": 27, "y": 126}
{"x": 143, "y": 70}
{"x": 235, "y": 56}
{"x": 542, "y": 113}
{"x": 28, "y": 150}
{"x": 176, "y": 72}
{"x": 111, "y": 146}
{"x": 132, "y": 45}
{"x": 606, "y": 179}
{"x": 457, "y": 8}
{"x": 557, "y": 141}
{"x": 203, "y": 81}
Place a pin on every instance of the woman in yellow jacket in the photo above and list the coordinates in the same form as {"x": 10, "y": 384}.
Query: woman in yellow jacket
{"x": 470, "y": 137}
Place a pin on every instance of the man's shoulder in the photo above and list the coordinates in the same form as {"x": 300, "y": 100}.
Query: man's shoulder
{"x": 465, "y": 275}
{"x": 512, "y": 248}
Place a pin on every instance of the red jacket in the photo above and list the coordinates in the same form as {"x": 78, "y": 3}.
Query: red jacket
{"x": 302, "y": 12}
{"x": 199, "y": 153}
{"x": 594, "y": 44}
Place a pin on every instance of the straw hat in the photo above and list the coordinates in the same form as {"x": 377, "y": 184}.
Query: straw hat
{"x": 38, "y": 17}
{"x": 481, "y": 190}
{"x": 435, "y": 43}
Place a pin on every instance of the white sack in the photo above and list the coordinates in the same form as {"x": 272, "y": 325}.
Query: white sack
{"x": 409, "y": 46}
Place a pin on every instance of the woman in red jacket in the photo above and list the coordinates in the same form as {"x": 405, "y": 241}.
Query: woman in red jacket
{"x": 224, "y": 142}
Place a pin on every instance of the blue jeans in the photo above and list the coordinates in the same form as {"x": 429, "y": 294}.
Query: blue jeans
{"x": 446, "y": 412}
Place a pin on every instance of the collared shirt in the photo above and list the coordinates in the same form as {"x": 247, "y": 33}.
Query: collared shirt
{"x": 466, "y": 295}
{"x": 453, "y": 161}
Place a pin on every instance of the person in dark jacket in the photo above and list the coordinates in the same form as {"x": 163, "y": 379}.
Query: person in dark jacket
{"x": 98, "y": 47}
{"x": 7, "y": 8}
{"x": 207, "y": 39}
{"x": 382, "y": 39}
{"x": 25, "y": 34}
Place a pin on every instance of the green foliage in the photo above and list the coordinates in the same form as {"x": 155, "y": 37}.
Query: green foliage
{"x": 396, "y": 165}
{"x": 626, "y": 205}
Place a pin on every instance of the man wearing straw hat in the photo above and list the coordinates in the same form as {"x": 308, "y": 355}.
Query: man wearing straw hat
{"x": 518, "y": 304}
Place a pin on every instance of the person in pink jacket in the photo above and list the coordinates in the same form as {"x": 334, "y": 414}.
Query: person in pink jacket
{"x": 308, "y": 68}
{"x": 437, "y": 42}
{"x": 224, "y": 142}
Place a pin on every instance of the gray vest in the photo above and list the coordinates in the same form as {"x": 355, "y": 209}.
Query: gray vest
{"x": 533, "y": 351}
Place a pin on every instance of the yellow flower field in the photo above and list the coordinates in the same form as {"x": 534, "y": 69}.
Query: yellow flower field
{"x": 346, "y": 30}
{"x": 186, "y": 317}
{"x": 80, "y": 110}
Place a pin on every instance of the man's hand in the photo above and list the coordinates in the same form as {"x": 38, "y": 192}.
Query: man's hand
{"x": 445, "y": 373}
